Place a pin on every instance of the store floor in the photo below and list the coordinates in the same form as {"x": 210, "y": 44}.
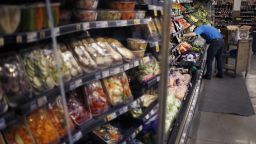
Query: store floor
{"x": 219, "y": 128}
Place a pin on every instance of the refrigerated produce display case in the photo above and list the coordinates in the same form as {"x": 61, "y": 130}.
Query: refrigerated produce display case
{"x": 93, "y": 71}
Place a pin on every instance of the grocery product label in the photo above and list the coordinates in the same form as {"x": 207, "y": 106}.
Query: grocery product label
{"x": 1, "y": 41}
{"x": 2, "y": 123}
{"x": 121, "y": 23}
{"x": 32, "y": 36}
{"x": 85, "y": 26}
{"x": 41, "y": 101}
{"x": 126, "y": 67}
{"x": 102, "y": 24}
{"x": 105, "y": 73}
{"x": 77, "y": 136}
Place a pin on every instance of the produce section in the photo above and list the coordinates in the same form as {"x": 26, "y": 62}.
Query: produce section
{"x": 108, "y": 54}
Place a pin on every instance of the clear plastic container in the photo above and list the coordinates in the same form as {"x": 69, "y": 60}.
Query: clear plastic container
{"x": 41, "y": 127}
{"x": 18, "y": 134}
{"x": 10, "y": 18}
{"x": 109, "y": 15}
{"x": 78, "y": 108}
{"x": 96, "y": 97}
{"x": 87, "y": 4}
{"x": 136, "y": 44}
{"x": 139, "y": 53}
{"x": 13, "y": 80}
{"x": 123, "y": 5}
{"x": 85, "y": 15}
{"x": 56, "y": 112}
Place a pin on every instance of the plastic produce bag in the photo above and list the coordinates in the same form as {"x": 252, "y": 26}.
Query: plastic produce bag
{"x": 118, "y": 89}
{"x": 96, "y": 97}
{"x": 78, "y": 109}
{"x": 18, "y": 134}
{"x": 55, "y": 111}
{"x": 41, "y": 127}
{"x": 12, "y": 78}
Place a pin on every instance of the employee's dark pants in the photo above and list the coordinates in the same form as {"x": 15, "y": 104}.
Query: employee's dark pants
{"x": 215, "y": 50}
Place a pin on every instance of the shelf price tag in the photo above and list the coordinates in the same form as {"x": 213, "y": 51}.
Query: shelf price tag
{"x": 77, "y": 136}
{"x": 111, "y": 116}
{"x": 57, "y": 31}
{"x": 157, "y": 46}
{"x": 136, "y": 63}
{"x": 101, "y": 24}
{"x": 18, "y": 39}
{"x": 134, "y": 104}
{"x": 121, "y": 23}
{"x": 115, "y": 71}
{"x": 105, "y": 73}
{"x": 147, "y": 117}
{"x": 126, "y": 67}
{"x": 2, "y": 123}
{"x": 97, "y": 76}
{"x": 31, "y": 37}
{"x": 146, "y": 59}
{"x": 85, "y": 26}
{"x": 42, "y": 35}
{"x": 158, "y": 78}
{"x": 123, "y": 110}
{"x": 41, "y": 101}
{"x": 78, "y": 82}
{"x": 1, "y": 41}
{"x": 136, "y": 21}
{"x": 155, "y": 11}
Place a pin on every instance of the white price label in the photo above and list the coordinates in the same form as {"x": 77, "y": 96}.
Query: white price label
{"x": 126, "y": 67}
{"x": 140, "y": 128}
{"x": 123, "y": 110}
{"x": 121, "y": 23}
{"x": 158, "y": 78}
{"x": 101, "y": 24}
{"x": 42, "y": 35}
{"x": 105, "y": 73}
{"x": 147, "y": 117}
{"x": 146, "y": 59}
{"x": 19, "y": 39}
{"x": 1, "y": 41}
{"x": 86, "y": 26}
{"x": 2, "y": 123}
{"x": 57, "y": 31}
{"x": 32, "y": 36}
{"x": 77, "y": 136}
{"x": 134, "y": 104}
{"x": 136, "y": 21}
{"x": 136, "y": 63}
{"x": 115, "y": 71}
{"x": 78, "y": 82}
{"x": 111, "y": 116}
{"x": 41, "y": 101}
{"x": 78, "y": 27}
{"x": 97, "y": 76}
{"x": 133, "y": 135}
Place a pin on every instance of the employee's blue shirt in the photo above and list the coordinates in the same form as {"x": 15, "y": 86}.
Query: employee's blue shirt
{"x": 208, "y": 32}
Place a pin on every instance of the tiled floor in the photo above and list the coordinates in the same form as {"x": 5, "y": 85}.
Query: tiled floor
{"x": 218, "y": 128}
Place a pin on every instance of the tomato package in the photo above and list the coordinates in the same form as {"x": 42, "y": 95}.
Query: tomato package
{"x": 55, "y": 111}
{"x": 18, "y": 134}
{"x": 41, "y": 127}
{"x": 118, "y": 89}
{"x": 96, "y": 97}
{"x": 77, "y": 108}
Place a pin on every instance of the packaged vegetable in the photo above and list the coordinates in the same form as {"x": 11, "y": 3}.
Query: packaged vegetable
{"x": 13, "y": 80}
{"x": 83, "y": 57}
{"x": 136, "y": 44}
{"x": 124, "y": 52}
{"x": 108, "y": 133}
{"x": 10, "y": 18}
{"x": 100, "y": 55}
{"x": 118, "y": 89}
{"x": 37, "y": 70}
{"x": 41, "y": 127}
{"x": 55, "y": 111}
{"x": 96, "y": 97}
{"x": 86, "y": 4}
{"x": 78, "y": 109}
{"x": 123, "y": 5}
{"x": 109, "y": 15}
{"x": 69, "y": 61}
{"x": 148, "y": 70}
{"x": 18, "y": 134}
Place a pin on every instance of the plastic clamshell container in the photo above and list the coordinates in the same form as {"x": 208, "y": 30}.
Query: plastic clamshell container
{"x": 109, "y": 15}
{"x": 123, "y": 5}
{"x": 10, "y": 18}
{"x": 139, "y": 53}
{"x": 140, "y": 14}
{"x": 136, "y": 44}
{"x": 87, "y": 4}
{"x": 85, "y": 15}
{"x": 41, "y": 127}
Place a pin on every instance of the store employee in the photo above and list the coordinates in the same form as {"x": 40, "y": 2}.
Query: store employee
{"x": 215, "y": 39}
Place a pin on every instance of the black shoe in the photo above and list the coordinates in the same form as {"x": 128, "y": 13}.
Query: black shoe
{"x": 219, "y": 75}
{"x": 208, "y": 77}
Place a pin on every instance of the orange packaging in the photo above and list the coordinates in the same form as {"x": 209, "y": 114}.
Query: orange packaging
{"x": 125, "y": 15}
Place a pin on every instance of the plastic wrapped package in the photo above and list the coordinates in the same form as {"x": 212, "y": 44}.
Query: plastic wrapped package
{"x": 78, "y": 109}
{"x": 99, "y": 55}
{"x": 13, "y": 80}
{"x": 116, "y": 57}
{"x": 18, "y": 134}
{"x": 124, "y": 52}
{"x": 148, "y": 70}
{"x": 96, "y": 97}
{"x": 151, "y": 30}
{"x": 181, "y": 92}
{"x": 73, "y": 68}
{"x": 37, "y": 70}
{"x": 3, "y": 101}
{"x": 41, "y": 127}
{"x": 118, "y": 89}
{"x": 55, "y": 111}
{"x": 108, "y": 133}
{"x": 83, "y": 57}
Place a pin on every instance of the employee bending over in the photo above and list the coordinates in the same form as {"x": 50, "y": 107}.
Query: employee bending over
{"x": 215, "y": 39}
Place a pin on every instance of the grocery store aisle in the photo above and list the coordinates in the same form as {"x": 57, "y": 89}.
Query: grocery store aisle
{"x": 219, "y": 128}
